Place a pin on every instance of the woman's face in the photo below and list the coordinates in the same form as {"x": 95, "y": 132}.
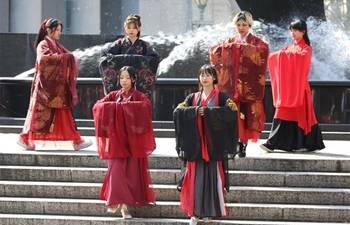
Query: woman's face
{"x": 206, "y": 80}
{"x": 242, "y": 28}
{"x": 132, "y": 30}
{"x": 54, "y": 34}
{"x": 297, "y": 35}
{"x": 125, "y": 80}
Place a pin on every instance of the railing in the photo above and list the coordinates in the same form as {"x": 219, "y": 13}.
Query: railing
{"x": 167, "y": 81}
{"x": 331, "y": 98}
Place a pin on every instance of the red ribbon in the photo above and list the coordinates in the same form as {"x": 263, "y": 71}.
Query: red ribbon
{"x": 43, "y": 29}
{"x": 43, "y": 24}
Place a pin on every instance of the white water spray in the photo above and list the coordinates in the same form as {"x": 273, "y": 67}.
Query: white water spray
{"x": 330, "y": 46}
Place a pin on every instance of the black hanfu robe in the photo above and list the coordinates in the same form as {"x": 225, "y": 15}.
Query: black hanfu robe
{"x": 205, "y": 143}
{"x": 140, "y": 55}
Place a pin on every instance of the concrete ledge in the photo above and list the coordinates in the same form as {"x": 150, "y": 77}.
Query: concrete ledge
{"x": 306, "y": 162}
{"x": 290, "y": 179}
{"x": 237, "y": 194}
{"x": 171, "y": 176}
{"x": 170, "y": 124}
{"x": 170, "y": 133}
{"x": 271, "y": 212}
{"x": 316, "y": 162}
{"x": 20, "y": 219}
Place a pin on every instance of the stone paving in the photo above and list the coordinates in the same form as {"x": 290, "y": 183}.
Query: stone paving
{"x": 166, "y": 147}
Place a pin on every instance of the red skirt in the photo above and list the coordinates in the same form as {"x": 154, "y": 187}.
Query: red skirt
{"x": 246, "y": 134}
{"x": 128, "y": 181}
{"x": 64, "y": 132}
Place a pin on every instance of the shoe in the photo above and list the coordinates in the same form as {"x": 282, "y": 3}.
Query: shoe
{"x": 111, "y": 209}
{"x": 193, "y": 221}
{"x": 266, "y": 147}
{"x": 302, "y": 150}
{"x": 85, "y": 144}
{"x": 24, "y": 145}
{"x": 125, "y": 212}
{"x": 242, "y": 150}
{"x": 206, "y": 219}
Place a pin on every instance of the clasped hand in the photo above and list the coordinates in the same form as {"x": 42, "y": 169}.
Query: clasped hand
{"x": 201, "y": 111}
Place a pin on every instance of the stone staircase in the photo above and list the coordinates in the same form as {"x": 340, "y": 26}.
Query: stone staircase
{"x": 63, "y": 187}
{"x": 166, "y": 128}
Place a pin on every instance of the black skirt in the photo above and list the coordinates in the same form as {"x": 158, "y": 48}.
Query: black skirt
{"x": 206, "y": 196}
{"x": 288, "y": 136}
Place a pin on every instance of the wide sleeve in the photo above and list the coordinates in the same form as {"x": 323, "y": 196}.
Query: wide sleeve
{"x": 241, "y": 67}
{"x": 152, "y": 57}
{"x": 111, "y": 63}
{"x": 187, "y": 139}
{"x": 56, "y": 75}
{"x": 289, "y": 69}
{"x": 252, "y": 64}
{"x": 221, "y": 129}
{"x": 224, "y": 57}
{"x": 111, "y": 49}
{"x": 138, "y": 126}
{"x": 124, "y": 129}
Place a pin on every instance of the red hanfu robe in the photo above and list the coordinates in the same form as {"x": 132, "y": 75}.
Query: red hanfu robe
{"x": 292, "y": 97}
{"x": 124, "y": 136}
{"x": 53, "y": 95}
{"x": 241, "y": 71}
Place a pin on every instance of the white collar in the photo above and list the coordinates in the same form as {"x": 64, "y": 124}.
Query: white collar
{"x": 244, "y": 40}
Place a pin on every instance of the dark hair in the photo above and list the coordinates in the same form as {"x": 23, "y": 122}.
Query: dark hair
{"x": 48, "y": 23}
{"x": 131, "y": 71}
{"x": 300, "y": 25}
{"x": 209, "y": 70}
{"x": 135, "y": 19}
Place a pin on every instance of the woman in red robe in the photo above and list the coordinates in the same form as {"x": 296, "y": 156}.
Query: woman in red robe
{"x": 49, "y": 120}
{"x": 125, "y": 137}
{"x": 206, "y": 137}
{"x": 241, "y": 63}
{"x": 294, "y": 127}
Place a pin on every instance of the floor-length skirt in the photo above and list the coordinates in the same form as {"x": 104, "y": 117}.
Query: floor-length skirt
{"x": 288, "y": 136}
{"x": 64, "y": 132}
{"x": 128, "y": 182}
{"x": 246, "y": 134}
{"x": 202, "y": 193}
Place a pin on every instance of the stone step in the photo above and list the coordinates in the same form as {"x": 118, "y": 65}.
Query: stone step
{"x": 88, "y": 131}
{"x": 167, "y": 124}
{"x": 237, "y": 194}
{"x": 169, "y": 133}
{"x": 314, "y": 163}
{"x": 166, "y": 128}
{"x": 26, "y": 219}
{"x": 162, "y": 209}
{"x": 12, "y": 121}
{"x": 171, "y": 176}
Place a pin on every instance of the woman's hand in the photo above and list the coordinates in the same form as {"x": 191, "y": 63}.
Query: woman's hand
{"x": 201, "y": 111}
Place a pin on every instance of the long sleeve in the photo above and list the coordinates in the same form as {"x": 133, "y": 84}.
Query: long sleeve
{"x": 56, "y": 76}
{"x": 139, "y": 55}
{"x": 124, "y": 129}
{"x": 289, "y": 69}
